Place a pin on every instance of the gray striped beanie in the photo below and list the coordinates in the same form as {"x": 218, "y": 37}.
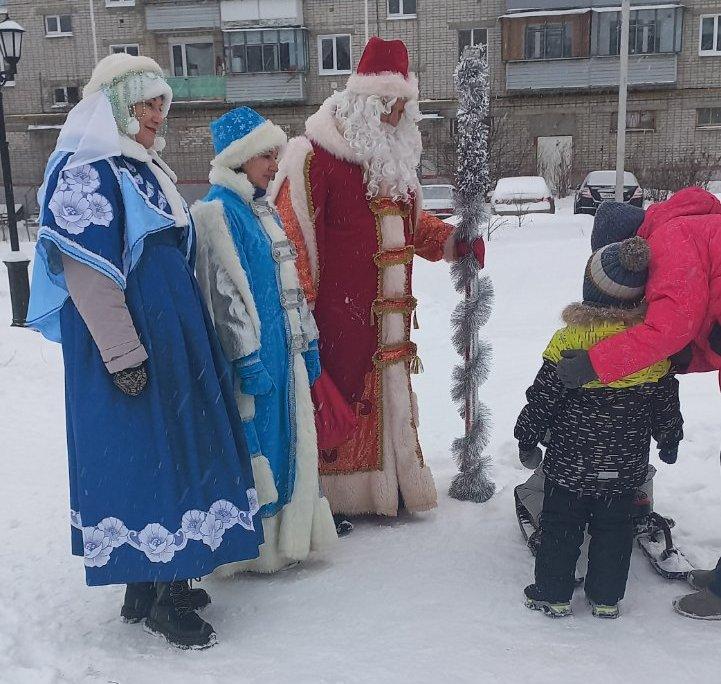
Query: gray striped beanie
{"x": 616, "y": 274}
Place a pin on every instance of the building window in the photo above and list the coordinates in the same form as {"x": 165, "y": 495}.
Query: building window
{"x": 267, "y": 51}
{"x": 710, "y": 35}
{"x": 58, "y": 25}
{"x": 66, "y": 96}
{"x": 636, "y": 121}
{"x": 551, "y": 40}
{"x": 708, "y": 117}
{"x": 401, "y": 9}
{"x": 334, "y": 56}
{"x": 651, "y": 31}
{"x": 471, "y": 37}
{"x": 127, "y": 48}
{"x": 192, "y": 59}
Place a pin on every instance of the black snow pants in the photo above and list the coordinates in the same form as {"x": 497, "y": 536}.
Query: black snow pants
{"x": 563, "y": 522}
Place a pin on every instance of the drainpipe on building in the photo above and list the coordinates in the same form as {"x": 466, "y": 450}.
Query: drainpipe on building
{"x": 366, "y": 22}
{"x": 92, "y": 30}
{"x": 622, "y": 94}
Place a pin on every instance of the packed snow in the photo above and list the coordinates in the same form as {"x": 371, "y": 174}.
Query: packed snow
{"x": 428, "y": 598}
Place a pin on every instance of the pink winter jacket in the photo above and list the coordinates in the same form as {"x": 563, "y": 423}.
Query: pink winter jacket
{"x": 683, "y": 290}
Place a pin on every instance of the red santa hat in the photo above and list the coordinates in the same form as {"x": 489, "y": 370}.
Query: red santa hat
{"x": 383, "y": 71}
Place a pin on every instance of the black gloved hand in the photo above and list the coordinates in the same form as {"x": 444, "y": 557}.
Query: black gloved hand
{"x": 714, "y": 338}
{"x": 668, "y": 453}
{"x": 575, "y": 368}
{"x": 681, "y": 359}
{"x": 530, "y": 457}
{"x": 132, "y": 381}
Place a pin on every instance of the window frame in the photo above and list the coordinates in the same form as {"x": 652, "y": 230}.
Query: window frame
{"x": 707, "y": 126}
{"x": 300, "y": 45}
{"x": 402, "y": 14}
{"x": 472, "y": 43}
{"x": 605, "y": 51}
{"x": 335, "y": 71}
{"x": 716, "y": 52}
{"x": 638, "y": 129}
{"x": 59, "y": 33}
{"x": 183, "y": 43}
{"x": 566, "y": 31}
{"x": 66, "y": 103}
{"x": 124, "y": 45}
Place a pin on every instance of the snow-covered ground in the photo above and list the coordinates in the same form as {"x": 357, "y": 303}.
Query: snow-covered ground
{"x": 431, "y": 598}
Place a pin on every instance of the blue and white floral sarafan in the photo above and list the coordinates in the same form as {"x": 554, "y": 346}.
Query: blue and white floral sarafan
{"x": 246, "y": 270}
{"x": 161, "y": 486}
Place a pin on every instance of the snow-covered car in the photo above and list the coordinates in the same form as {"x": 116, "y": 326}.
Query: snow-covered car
{"x": 522, "y": 195}
{"x": 438, "y": 200}
{"x": 600, "y": 186}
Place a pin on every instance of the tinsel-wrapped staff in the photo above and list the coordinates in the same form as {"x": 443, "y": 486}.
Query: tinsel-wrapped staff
{"x": 472, "y": 482}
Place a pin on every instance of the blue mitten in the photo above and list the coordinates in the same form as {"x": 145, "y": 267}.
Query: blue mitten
{"x": 312, "y": 361}
{"x": 254, "y": 379}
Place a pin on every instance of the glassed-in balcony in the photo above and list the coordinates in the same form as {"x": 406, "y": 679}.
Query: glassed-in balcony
{"x": 201, "y": 88}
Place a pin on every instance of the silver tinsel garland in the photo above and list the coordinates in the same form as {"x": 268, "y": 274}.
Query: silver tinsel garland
{"x": 472, "y": 482}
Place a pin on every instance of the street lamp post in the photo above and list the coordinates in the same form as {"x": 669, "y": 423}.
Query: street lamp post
{"x": 11, "y": 40}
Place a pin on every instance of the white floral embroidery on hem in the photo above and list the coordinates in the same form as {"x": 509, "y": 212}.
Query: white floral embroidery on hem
{"x": 159, "y": 544}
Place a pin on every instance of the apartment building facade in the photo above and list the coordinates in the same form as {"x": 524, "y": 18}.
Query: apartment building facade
{"x": 553, "y": 67}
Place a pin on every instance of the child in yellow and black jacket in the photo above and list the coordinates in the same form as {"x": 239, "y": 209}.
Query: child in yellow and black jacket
{"x": 597, "y": 439}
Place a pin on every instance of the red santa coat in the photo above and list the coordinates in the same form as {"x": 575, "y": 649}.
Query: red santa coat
{"x": 355, "y": 262}
{"x": 683, "y": 289}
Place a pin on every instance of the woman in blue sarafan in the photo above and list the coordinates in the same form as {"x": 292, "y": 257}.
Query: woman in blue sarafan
{"x": 246, "y": 270}
{"x": 161, "y": 485}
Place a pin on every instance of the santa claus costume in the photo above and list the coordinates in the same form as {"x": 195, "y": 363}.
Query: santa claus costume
{"x": 351, "y": 202}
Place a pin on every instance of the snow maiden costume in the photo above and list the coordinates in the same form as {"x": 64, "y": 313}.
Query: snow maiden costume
{"x": 356, "y": 233}
{"x": 246, "y": 269}
{"x": 161, "y": 486}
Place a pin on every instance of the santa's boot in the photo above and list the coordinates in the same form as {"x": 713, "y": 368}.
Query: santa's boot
{"x": 139, "y": 597}
{"x": 343, "y": 526}
{"x": 172, "y": 617}
{"x": 703, "y": 605}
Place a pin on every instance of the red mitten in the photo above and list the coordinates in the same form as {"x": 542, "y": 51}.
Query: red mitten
{"x": 477, "y": 246}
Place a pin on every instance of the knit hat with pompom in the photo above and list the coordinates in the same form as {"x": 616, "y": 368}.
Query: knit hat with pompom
{"x": 616, "y": 274}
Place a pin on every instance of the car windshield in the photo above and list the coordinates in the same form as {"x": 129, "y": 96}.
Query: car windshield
{"x": 437, "y": 192}
{"x": 608, "y": 179}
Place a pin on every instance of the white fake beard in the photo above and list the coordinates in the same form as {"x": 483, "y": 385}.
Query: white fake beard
{"x": 390, "y": 155}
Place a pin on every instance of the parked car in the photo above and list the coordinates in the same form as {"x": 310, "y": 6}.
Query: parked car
{"x": 522, "y": 195}
{"x": 438, "y": 200}
{"x": 600, "y": 186}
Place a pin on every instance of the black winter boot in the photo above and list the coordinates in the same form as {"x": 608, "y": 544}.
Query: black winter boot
{"x": 172, "y": 617}
{"x": 343, "y": 526}
{"x": 139, "y": 597}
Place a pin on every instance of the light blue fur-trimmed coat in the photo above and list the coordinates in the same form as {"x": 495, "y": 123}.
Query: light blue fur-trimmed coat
{"x": 246, "y": 270}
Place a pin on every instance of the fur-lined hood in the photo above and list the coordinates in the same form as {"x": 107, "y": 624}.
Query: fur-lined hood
{"x": 585, "y": 315}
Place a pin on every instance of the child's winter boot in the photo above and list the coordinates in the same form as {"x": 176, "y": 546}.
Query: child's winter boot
{"x": 554, "y": 609}
{"x": 172, "y": 617}
{"x": 139, "y": 597}
{"x": 606, "y": 611}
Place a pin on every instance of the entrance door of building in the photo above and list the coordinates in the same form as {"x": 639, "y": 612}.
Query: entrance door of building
{"x": 554, "y": 158}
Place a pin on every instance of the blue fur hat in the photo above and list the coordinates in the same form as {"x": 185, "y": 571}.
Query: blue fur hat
{"x": 241, "y": 134}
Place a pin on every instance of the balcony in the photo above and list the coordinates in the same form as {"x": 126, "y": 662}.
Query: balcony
{"x": 197, "y": 88}
{"x": 267, "y": 88}
{"x": 179, "y": 16}
{"x": 269, "y": 13}
{"x": 518, "y": 5}
{"x": 596, "y": 72}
